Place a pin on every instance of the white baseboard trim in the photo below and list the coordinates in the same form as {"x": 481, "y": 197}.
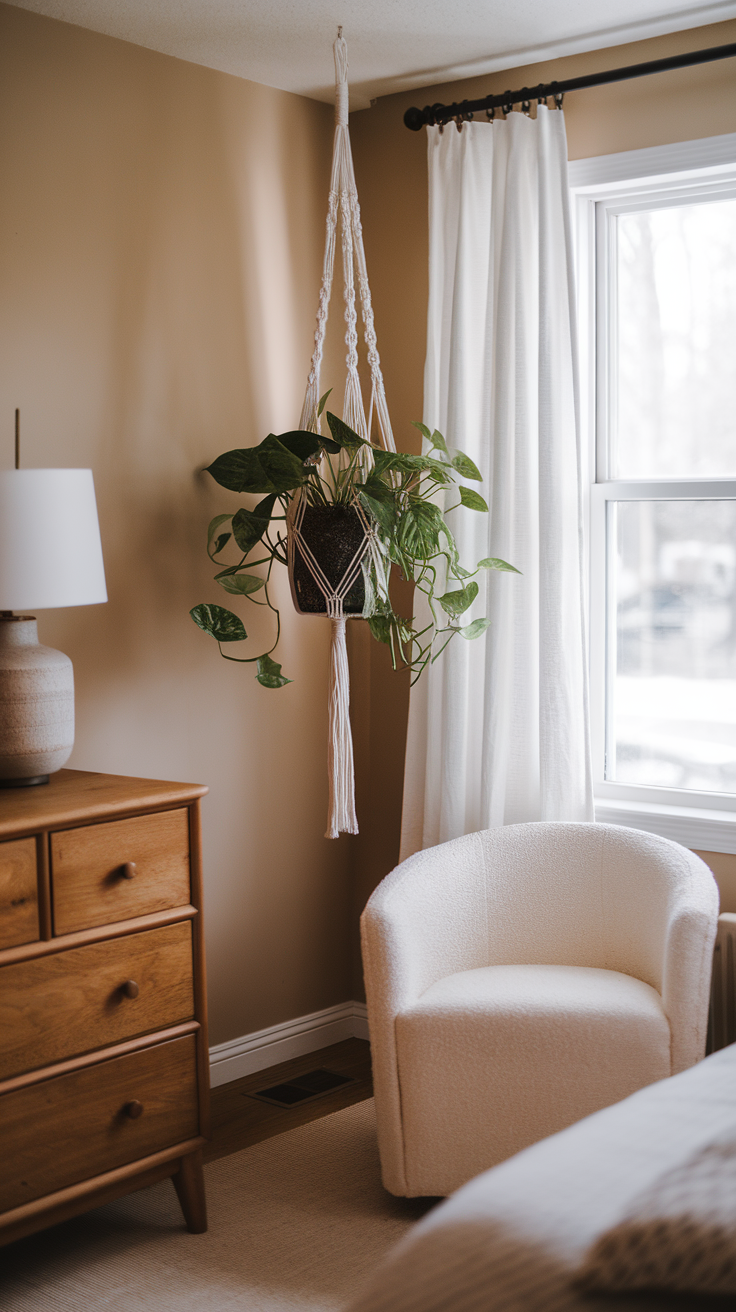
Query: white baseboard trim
{"x": 293, "y": 1038}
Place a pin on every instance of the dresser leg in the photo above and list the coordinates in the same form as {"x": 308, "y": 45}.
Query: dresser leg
{"x": 189, "y": 1185}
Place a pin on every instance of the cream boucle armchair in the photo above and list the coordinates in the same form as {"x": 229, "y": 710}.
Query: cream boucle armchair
{"x": 521, "y": 978}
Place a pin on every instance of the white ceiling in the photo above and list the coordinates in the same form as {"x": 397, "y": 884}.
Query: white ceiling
{"x": 393, "y": 44}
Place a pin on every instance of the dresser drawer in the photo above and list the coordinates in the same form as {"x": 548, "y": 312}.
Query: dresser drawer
{"x": 120, "y": 869}
{"x": 18, "y": 893}
{"x": 68, "y": 1129}
{"x": 59, "y": 1006}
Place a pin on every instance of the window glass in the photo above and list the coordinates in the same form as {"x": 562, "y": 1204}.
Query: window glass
{"x": 671, "y": 686}
{"x": 674, "y": 364}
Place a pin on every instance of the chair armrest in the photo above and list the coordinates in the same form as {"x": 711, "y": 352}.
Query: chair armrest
{"x": 688, "y": 964}
{"x": 426, "y": 920}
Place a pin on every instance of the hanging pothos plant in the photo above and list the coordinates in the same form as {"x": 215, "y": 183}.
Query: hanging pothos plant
{"x": 396, "y": 493}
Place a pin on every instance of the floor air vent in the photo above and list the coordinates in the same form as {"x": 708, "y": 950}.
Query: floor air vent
{"x": 302, "y": 1088}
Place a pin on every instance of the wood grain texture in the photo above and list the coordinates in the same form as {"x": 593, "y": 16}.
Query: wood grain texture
{"x": 200, "y": 970}
{"x": 59, "y": 1206}
{"x": 236, "y": 1127}
{"x": 45, "y": 916}
{"x": 123, "y": 1111}
{"x": 66, "y": 1130}
{"x": 189, "y": 1185}
{"x": 100, "y": 934}
{"x": 89, "y": 887}
{"x": 79, "y": 796}
{"x": 76, "y": 1001}
{"x": 99, "y": 1054}
{"x": 18, "y": 892}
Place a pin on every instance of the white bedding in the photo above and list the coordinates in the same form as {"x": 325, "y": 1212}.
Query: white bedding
{"x": 513, "y": 1239}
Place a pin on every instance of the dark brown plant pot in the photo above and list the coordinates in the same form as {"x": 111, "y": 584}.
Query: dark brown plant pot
{"x": 333, "y": 534}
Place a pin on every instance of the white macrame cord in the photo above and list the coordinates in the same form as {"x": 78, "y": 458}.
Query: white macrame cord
{"x": 343, "y": 199}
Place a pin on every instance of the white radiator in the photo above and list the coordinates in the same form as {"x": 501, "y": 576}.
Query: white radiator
{"x": 722, "y": 1018}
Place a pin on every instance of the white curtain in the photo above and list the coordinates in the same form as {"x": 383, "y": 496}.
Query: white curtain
{"x": 498, "y": 728}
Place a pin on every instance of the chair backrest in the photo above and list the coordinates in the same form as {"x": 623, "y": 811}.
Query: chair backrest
{"x": 587, "y": 895}
{"x": 554, "y": 893}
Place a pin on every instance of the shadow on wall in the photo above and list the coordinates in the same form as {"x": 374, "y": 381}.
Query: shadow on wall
{"x": 162, "y": 229}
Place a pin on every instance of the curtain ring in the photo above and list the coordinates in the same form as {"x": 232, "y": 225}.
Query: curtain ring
{"x": 525, "y": 106}
{"x": 459, "y": 122}
{"x": 542, "y": 100}
{"x": 508, "y": 109}
{"x": 491, "y": 113}
{"x": 559, "y": 96}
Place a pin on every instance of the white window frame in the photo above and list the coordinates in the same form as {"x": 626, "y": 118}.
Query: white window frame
{"x": 601, "y": 188}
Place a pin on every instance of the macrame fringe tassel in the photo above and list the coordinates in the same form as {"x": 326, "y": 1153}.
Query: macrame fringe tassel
{"x": 341, "y": 818}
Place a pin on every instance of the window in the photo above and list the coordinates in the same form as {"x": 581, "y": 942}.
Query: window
{"x": 656, "y": 233}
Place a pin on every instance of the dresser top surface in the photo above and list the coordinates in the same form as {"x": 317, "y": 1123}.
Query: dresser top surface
{"x": 83, "y": 795}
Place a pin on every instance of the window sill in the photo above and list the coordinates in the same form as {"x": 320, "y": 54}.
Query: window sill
{"x": 703, "y": 831}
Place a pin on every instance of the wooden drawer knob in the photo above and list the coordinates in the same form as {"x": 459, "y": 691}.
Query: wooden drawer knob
{"x": 127, "y": 870}
{"x": 130, "y": 989}
{"x": 134, "y": 1109}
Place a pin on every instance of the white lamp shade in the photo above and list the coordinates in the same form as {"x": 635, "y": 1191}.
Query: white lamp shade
{"x": 50, "y": 550}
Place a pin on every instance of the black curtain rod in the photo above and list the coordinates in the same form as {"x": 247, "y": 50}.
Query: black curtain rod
{"x": 432, "y": 114}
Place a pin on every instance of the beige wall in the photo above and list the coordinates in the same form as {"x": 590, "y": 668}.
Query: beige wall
{"x": 161, "y": 243}
{"x": 161, "y": 230}
{"x": 390, "y": 165}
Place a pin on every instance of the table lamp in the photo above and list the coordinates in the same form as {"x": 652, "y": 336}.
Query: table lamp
{"x": 50, "y": 555}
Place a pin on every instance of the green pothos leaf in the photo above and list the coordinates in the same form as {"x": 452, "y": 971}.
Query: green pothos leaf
{"x": 269, "y": 673}
{"x": 422, "y": 429}
{"x": 473, "y": 500}
{"x": 438, "y": 442}
{"x": 241, "y": 585}
{"x": 250, "y": 525}
{"x": 300, "y": 443}
{"x": 455, "y": 603}
{"x": 419, "y": 528}
{"x": 465, "y": 466}
{"x": 344, "y": 435}
{"x": 214, "y": 524}
{"x": 382, "y": 510}
{"x": 493, "y": 562}
{"x": 268, "y": 467}
{"x": 474, "y": 629}
{"x": 221, "y": 624}
{"x": 240, "y": 471}
{"x": 380, "y": 627}
{"x": 283, "y": 467}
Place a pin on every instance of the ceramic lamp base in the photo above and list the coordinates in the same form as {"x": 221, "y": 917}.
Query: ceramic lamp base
{"x": 25, "y": 783}
{"x": 36, "y": 705}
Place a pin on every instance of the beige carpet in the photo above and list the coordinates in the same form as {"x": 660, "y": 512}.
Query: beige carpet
{"x": 298, "y": 1221}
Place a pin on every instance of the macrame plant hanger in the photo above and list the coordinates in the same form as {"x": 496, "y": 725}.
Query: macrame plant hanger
{"x": 343, "y": 199}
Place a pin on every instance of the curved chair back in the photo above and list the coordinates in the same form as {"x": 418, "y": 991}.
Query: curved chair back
{"x": 546, "y": 893}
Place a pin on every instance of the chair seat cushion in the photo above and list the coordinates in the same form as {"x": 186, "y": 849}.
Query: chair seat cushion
{"x": 494, "y": 1059}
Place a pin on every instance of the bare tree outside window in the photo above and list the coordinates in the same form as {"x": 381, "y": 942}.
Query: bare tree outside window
{"x": 676, "y": 343}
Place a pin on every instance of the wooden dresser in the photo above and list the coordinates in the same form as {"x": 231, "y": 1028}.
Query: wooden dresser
{"x": 104, "y": 1079}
